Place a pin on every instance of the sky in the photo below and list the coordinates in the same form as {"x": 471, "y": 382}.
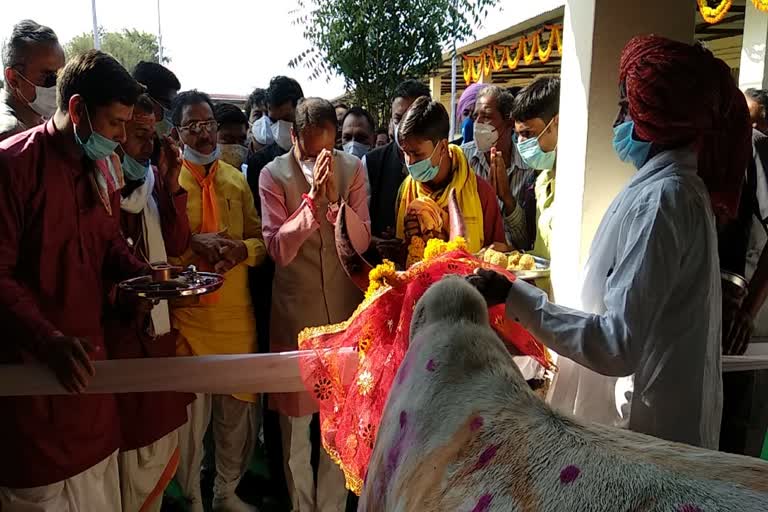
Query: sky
{"x": 219, "y": 46}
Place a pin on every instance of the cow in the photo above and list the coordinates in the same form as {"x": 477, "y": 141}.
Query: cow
{"x": 462, "y": 431}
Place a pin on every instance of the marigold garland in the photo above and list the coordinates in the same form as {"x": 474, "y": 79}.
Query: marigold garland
{"x": 385, "y": 274}
{"x": 494, "y": 57}
{"x": 380, "y": 276}
{"x": 761, "y": 5}
{"x": 714, "y": 15}
{"x": 436, "y": 247}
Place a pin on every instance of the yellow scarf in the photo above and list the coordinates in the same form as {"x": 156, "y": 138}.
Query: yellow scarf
{"x": 465, "y": 183}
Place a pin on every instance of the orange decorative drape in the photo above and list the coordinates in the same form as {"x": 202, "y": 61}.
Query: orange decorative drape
{"x": 528, "y": 49}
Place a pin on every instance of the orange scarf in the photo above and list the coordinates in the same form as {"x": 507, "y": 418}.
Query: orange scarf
{"x": 210, "y": 212}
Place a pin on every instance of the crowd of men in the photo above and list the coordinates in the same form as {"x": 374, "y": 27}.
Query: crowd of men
{"x": 105, "y": 171}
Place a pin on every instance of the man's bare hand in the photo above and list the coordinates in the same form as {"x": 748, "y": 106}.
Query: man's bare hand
{"x": 169, "y": 165}
{"x": 500, "y": 181}
{"x": 232, "y": 254}
{"x": 67, "y": 357}
{"x": 491, "y": 285}
{"x": 209, "y": 246}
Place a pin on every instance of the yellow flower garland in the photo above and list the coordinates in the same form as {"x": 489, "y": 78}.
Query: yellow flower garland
{"x": 716, "y": 14}
{"x": 761, "y": 5}
{"x": 385, "y": 274}
{"x": 379, "y": 277}
{"x": 493, "y": 57}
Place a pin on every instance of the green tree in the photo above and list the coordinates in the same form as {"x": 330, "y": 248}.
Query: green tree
{"x": 376, "y": 44}
{"x": 128, "y": 46}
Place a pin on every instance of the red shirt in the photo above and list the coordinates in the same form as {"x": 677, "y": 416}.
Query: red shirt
{"x": 147, "y": 417}
{"x": 57, "y": 245}
{"x": 493, "y": 225}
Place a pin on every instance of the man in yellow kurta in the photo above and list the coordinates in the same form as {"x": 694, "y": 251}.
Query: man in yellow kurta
{"x": 226, "y": 239}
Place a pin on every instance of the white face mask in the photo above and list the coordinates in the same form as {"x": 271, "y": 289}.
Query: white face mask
{"x": 266, "y": 132}
{"x": 194, "y": 156}
{"x": 308, "y": 169}
{"x": 486, "y": 136}
{"x": 262, "y": 132}
{"x": 45, "y": 99}
{"x": 281, "y": 132}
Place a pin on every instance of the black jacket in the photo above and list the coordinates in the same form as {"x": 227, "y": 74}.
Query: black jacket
{"x": 256, "y": 162}
{"x": 386, "y": 172}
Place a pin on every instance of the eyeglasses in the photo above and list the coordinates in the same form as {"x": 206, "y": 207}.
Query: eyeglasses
{"x": 199, "y": 126}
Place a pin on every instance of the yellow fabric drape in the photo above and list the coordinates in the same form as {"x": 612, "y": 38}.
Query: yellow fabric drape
{"x": 465, "y": 183}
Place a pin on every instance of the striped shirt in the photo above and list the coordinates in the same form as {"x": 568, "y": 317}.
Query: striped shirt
{"x": 521, "y": 181}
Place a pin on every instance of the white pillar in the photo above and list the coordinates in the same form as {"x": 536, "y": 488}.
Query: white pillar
{"x": 435, "y": 86}
{"x": 589, "y": 174}
{"x": 752, "y": 68}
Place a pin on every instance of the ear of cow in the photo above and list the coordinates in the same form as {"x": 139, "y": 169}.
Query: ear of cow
{"x": 352, "y": 262}
{"x": 455, "y": 217}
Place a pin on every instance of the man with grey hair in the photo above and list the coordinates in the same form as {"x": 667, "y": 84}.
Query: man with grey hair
{"x": 32, "y": 56}
{"x": 493, "y": 156}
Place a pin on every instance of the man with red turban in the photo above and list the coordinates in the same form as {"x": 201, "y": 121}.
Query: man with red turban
{"x": 650, "y": 329}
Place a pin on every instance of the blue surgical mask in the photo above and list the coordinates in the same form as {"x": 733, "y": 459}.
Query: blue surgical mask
{"x": 164, "y": 126}
{"x": 627, "y": 147}
{"x": 424, "y": 171}
{"x": 191, "y": 155}
{"x": 97, "y": 147}
{"x": 133, "y": 169}
{"x": 532, "y": 154}
{"x": 356, "y": 148}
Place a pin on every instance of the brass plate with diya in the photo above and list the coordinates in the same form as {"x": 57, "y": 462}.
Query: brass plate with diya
{"x": 171, "y": 282}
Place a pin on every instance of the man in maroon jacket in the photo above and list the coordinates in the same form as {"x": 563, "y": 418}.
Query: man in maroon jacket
{"x": 153, "y": 219}
{"x": 59, "y": 240}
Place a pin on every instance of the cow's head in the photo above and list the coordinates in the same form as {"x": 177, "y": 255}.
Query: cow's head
{"x": 451, "y": 299}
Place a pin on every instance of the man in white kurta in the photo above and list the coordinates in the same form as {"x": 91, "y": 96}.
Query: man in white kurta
{"x": 652, "y": 295}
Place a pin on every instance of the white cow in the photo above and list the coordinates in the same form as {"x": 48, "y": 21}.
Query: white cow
{"x": 462, "y": 431}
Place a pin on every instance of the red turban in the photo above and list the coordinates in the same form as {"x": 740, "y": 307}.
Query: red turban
{"x": 680, "y": 94}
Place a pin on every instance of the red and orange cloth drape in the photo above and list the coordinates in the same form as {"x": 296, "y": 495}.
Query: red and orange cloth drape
{"x": 352, "y": 365}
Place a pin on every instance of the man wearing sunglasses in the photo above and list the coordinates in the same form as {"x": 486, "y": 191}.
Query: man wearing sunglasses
{"x": 226, "y": 238}
{"x": 32, "y": 56}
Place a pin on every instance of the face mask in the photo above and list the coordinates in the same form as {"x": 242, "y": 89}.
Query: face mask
{"x": 424, "y": 171}
{"x": 134, "y": 170}
{"x": 262, "y": 132}
{"x": 45, "y": 99}
{"x": 630, "y": 150}
{"x": 281, "y": 133}
{"x": 532, "y": 154}
{"x": 308, "y": 169}
{"x": 164, "y": 126}
{"x": 356, "y": 148}
{"x": 97, "y": 147}
{"x": 234, "y": 154}
{"x": 485, "y": 136}
{"x": 194, "y": 156}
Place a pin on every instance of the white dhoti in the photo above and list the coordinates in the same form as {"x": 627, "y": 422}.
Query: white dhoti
{"x": 96, "y": 488}
{"x": 146, "y": 472}
{"x": 331, "y": 493}
{"x": 234, "y": 434}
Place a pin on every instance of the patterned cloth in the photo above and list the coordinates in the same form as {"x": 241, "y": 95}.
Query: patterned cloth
{"x": 371, "y": 345}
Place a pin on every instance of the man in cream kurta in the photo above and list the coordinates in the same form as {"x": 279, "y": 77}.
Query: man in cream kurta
{"x": 310, "y": 288}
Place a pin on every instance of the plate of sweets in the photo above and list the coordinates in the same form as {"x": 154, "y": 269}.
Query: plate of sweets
{"x": 525, "y": 266}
